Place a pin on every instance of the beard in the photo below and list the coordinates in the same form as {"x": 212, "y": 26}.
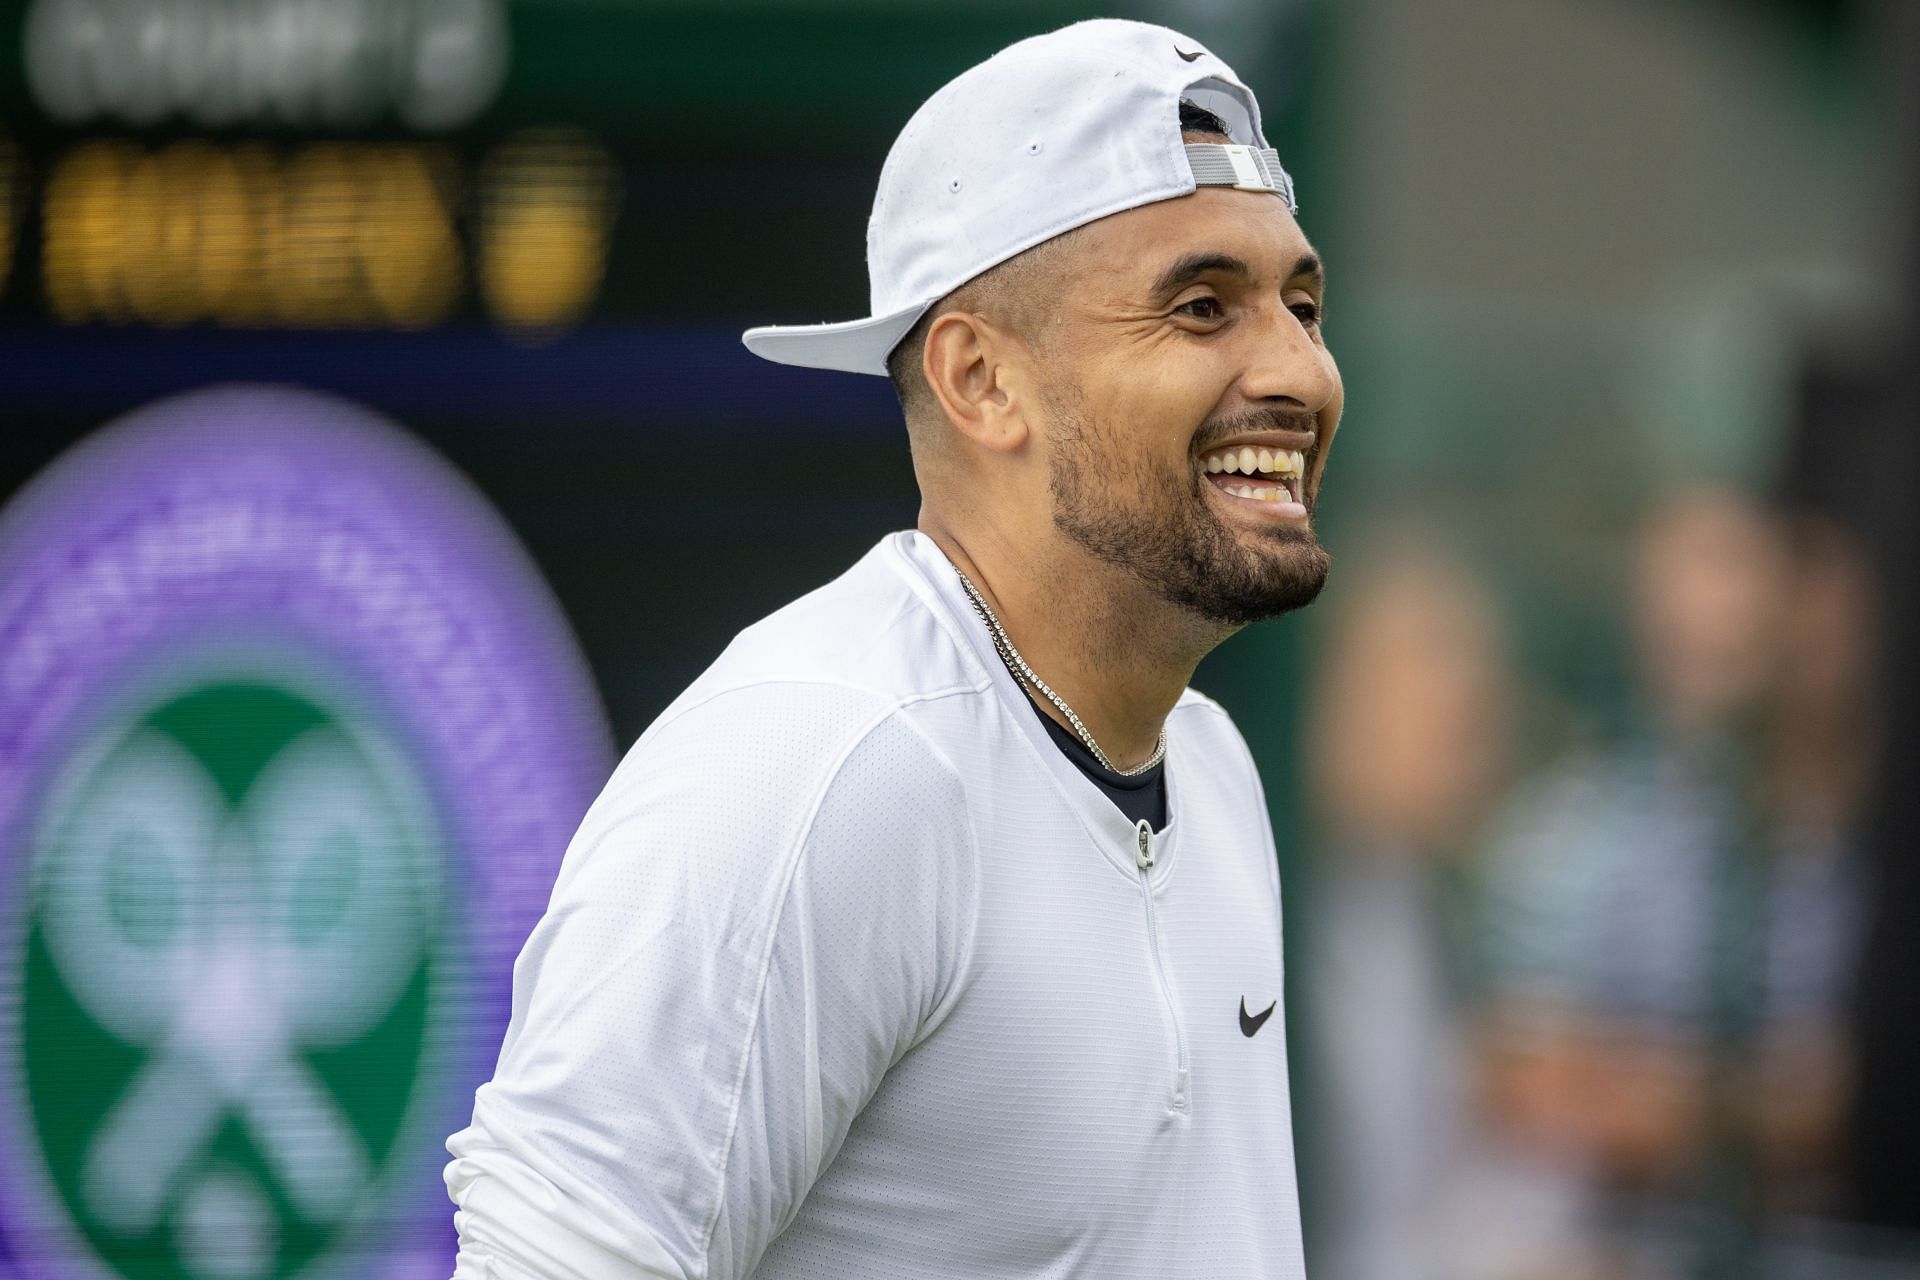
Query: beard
{"x": 1158, "y": 526}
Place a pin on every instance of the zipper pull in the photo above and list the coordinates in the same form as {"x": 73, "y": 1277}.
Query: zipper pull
{"x": 1143, "y": 849}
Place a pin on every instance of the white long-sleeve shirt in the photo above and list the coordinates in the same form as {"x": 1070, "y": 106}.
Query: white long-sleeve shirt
{"x": 851, "y": 973}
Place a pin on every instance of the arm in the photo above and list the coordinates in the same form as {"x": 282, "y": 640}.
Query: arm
{"x": 741, "y": 943}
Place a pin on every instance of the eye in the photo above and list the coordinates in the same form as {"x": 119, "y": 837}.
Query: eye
{"x": 1308, "y": 312}
{"x": 1202, "y": 308}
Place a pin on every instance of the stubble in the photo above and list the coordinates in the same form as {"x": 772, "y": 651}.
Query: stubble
{"x": 1156, "y": 525}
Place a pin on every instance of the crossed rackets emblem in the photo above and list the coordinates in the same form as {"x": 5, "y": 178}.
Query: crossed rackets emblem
{"x": 222, "y": 939}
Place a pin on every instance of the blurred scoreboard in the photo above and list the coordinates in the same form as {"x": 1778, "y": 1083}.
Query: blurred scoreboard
{"x": 404, "y": 164}
{"x": 194, "y": 161}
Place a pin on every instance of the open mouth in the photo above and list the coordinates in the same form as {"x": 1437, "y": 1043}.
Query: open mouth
{"x": 1262, "y": 475}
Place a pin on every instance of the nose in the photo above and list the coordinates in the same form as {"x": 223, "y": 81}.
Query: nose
{"x": 1285, "y": 365}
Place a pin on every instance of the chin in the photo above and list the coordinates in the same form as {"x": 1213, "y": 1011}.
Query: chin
{"x": 1233, "y": 582}
{"x": 1189, "y": 555}
{"x": 1281, "y": 580}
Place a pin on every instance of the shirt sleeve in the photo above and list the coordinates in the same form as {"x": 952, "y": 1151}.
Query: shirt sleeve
{"x": 771, "y": 903}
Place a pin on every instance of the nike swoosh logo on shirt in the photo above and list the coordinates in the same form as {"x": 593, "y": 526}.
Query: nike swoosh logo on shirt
{"x": 1250, "y": 1023}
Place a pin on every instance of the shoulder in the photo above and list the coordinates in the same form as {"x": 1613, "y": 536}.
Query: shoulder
{"x": 1235, "y": 799}
{"x": 1205, "y": 730}
{"x": 869, "y": 632}
{"x": 812, "y": 805}
{"x": 1195, "y": 705}
{"x": 762, "y": 756}
{"x": 816, "y": 698}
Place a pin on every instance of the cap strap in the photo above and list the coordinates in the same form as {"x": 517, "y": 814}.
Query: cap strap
{"x": 1216, "y": 164}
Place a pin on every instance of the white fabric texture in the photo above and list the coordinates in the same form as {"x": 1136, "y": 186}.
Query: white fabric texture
{"x": 850, "y": 973}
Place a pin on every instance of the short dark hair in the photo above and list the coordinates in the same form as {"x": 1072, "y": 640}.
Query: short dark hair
{"x": 903, "y": 362}
{"x": 1195, "y": 118}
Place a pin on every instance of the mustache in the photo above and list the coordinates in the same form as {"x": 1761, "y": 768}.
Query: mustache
{"x": 1271, "y": 419}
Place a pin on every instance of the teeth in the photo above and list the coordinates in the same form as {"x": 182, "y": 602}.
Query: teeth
{"x": 1247, "y": 460}
{"x": 1259, "y": 493}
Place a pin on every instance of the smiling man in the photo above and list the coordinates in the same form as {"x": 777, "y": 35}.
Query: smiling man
{"x": 935, "y": 930}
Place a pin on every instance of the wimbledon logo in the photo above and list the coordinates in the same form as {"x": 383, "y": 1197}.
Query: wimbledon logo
{"x": 291, "y": 739}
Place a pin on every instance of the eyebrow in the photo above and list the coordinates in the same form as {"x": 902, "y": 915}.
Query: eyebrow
{"x": 1186, "y": 270}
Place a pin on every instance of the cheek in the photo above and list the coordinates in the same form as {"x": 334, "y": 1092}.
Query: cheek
{"x": 1149, "y": 418}
{"x": 1164, "y": 405}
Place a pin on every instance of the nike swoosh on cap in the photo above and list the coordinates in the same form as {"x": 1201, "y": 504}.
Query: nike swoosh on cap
{"x": 1250, "y": 1023}
{"x": 1185, "y": 56}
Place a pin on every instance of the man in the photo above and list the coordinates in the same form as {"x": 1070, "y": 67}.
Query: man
{"x": 934, "y": 931}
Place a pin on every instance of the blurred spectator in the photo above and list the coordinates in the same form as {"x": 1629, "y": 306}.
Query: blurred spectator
{"x": 1611, "y": 1048}
{"x": 1668, "y": 925}
{"x": 1409, "y": 733}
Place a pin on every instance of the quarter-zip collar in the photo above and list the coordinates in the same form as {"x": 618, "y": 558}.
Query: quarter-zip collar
{"x": 932, "y": 577}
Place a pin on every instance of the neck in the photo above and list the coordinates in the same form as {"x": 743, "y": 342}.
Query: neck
{"x": 1117, "y": 654}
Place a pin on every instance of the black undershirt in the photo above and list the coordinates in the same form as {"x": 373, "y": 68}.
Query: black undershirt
{"x": 1138, "y": 795}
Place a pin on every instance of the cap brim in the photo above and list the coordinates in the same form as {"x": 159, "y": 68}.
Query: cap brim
{"x": 852, "y": 346}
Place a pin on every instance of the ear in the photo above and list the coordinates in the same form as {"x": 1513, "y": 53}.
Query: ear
{"x": 967, "y": 362}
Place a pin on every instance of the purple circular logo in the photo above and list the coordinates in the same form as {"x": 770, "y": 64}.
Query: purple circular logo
{"x": 292, "y": 737}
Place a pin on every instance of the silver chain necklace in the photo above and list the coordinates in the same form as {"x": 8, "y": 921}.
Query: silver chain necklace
{"x": 1021, "y": 671}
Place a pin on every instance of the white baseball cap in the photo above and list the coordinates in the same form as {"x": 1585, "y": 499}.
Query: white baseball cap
{"x": 1047, "y": 135}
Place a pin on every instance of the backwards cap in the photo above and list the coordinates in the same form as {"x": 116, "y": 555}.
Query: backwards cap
{"x": 1047, "y": 135}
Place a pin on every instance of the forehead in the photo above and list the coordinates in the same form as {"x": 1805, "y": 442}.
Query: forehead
{"x": 1134, "y": 247}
